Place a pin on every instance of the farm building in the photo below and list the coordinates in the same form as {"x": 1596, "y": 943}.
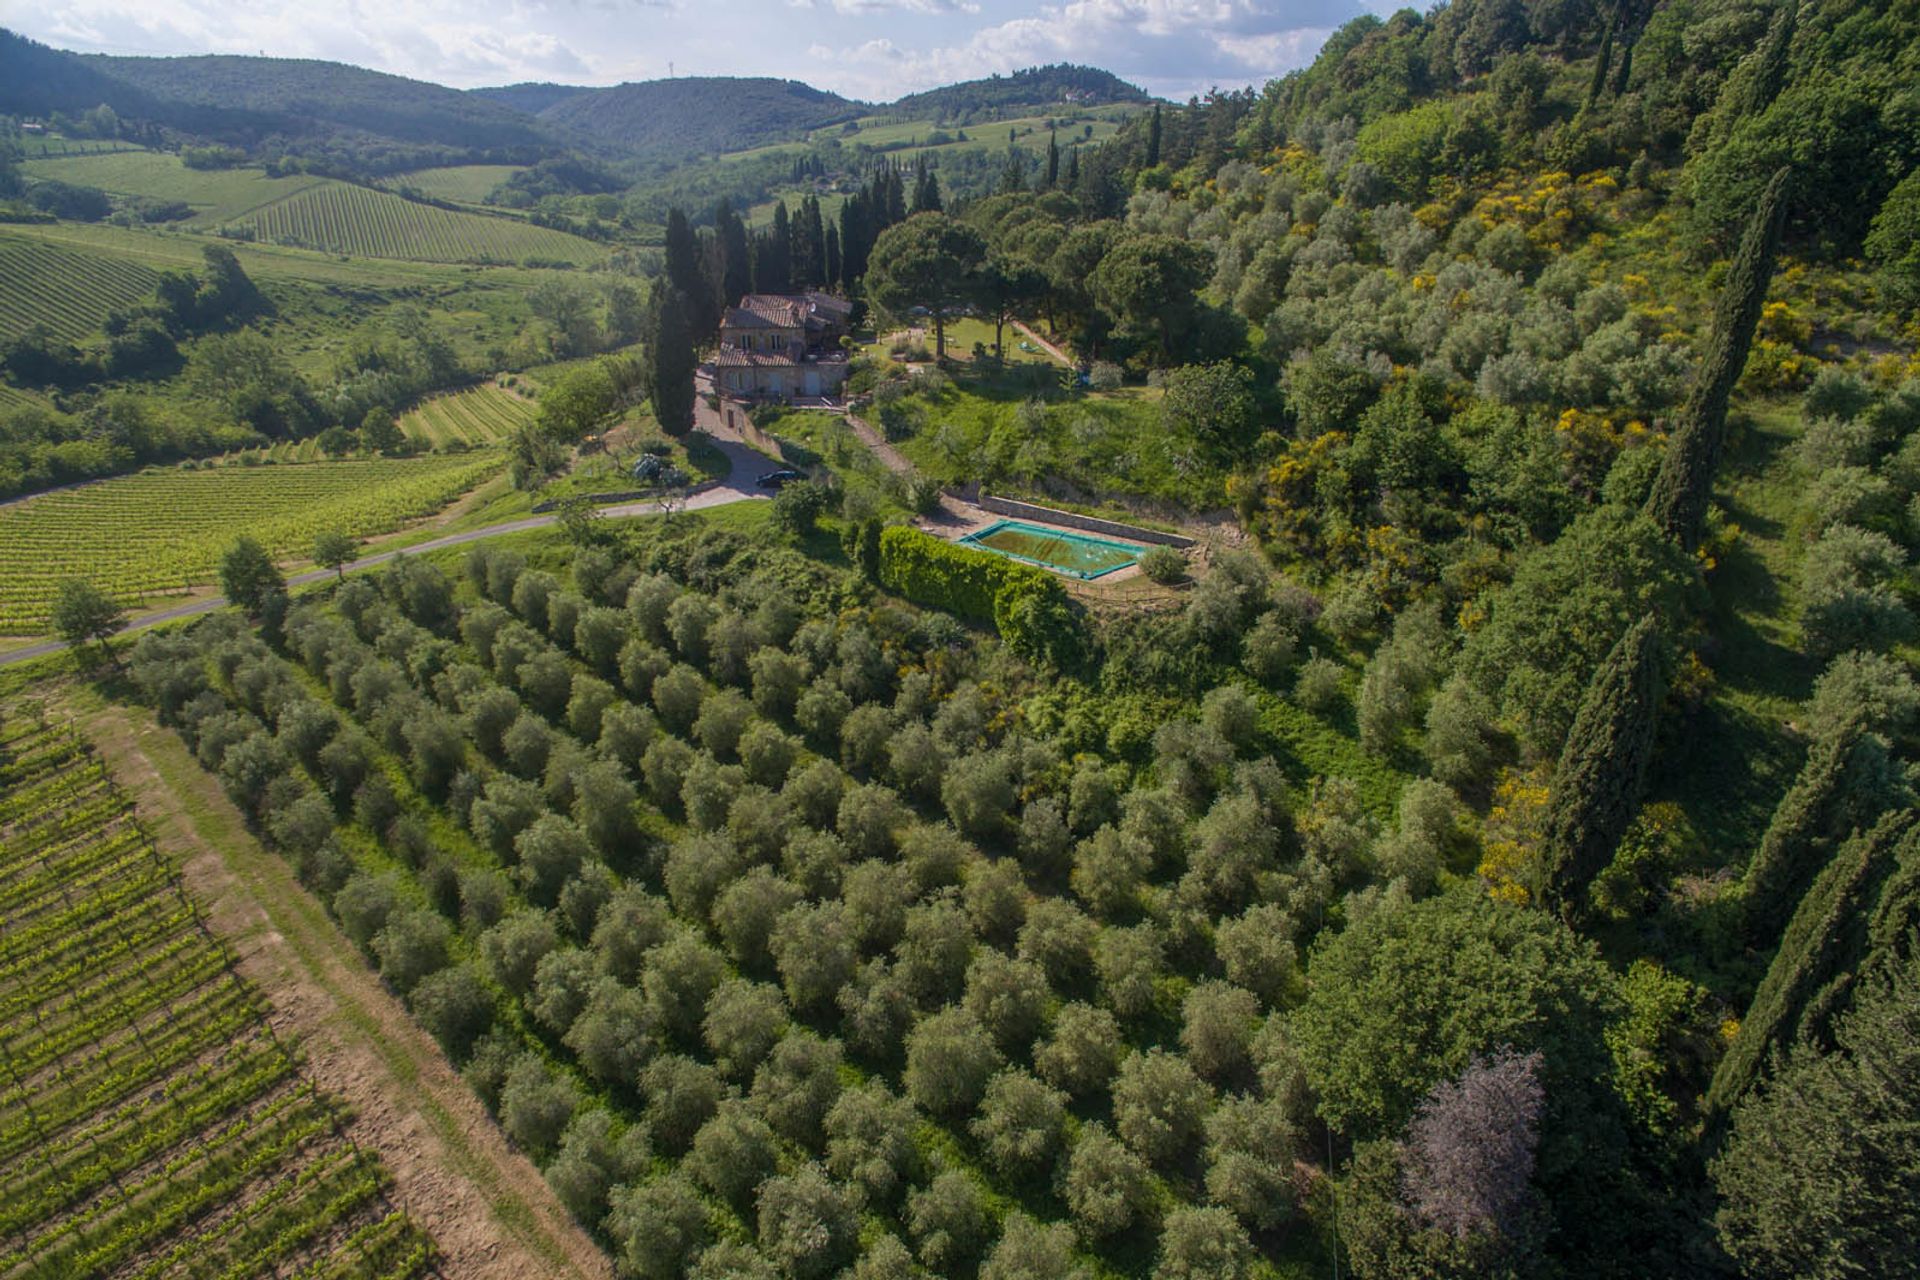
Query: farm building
{"x": 783, "y": 347}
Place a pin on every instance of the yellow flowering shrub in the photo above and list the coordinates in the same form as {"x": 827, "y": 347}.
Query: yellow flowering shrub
{"x": 1515, "y": 829}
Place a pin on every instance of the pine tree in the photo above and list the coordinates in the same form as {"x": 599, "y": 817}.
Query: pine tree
{"x": 674, "y": 358}
{"x": 1844, "y": 784}
{"x": 1824, "y": 946}
{"x": 1603, "y": 766}
{"x": 1153, "y": 138}
{"x": 1678, "y": 502}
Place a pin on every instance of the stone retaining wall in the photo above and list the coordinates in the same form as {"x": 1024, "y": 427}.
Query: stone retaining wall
{"x": 1073, "y": 520}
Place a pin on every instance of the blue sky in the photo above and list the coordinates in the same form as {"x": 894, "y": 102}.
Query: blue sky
{"x": 870, "y": 49}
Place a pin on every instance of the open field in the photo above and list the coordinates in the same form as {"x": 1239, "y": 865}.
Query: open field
{"x": 464, "y": 184}
{"x": 375, "y": 224}
{"x": 485, "y": 414}
{"x": 215, "y": 195}
{"x": 155, "y": 1124}
{"x": 162, "y": 531}
{"x": 67, "y": 290}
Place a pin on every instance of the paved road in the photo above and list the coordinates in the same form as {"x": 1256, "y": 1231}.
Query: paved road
{"x": 737, "y": 487}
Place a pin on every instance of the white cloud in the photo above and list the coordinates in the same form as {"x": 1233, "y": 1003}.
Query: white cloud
{"x": 872, "y": 49}
{"x": 1175, "y": 47}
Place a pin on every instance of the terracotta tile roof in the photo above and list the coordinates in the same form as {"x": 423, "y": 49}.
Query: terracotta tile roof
{"x": 734, "y": 358}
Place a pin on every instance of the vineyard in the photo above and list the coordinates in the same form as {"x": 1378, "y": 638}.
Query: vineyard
{"x": 163, "y": 531}
{"x": 340, "y": 218}
{"x": 480, "y": 415}
{"x": 69, "y": 292}
{"x": 152, "y": 1123}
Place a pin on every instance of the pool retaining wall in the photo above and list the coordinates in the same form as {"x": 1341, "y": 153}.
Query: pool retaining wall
{"x": 1073, "y": 520}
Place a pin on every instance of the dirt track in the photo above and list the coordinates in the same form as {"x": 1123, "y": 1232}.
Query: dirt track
{"x": 487, "y": 1208}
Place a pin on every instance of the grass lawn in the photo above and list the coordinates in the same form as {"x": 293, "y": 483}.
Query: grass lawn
{"x": 1099, "y": 445}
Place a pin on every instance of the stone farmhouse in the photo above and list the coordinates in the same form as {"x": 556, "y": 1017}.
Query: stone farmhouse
{"x": 778, "y": 346}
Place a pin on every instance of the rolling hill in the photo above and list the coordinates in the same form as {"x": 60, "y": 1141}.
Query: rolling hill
{"x": 366, "y": 118}
{"x": 1061, "y": 85}
{"x": 657, "y": 119}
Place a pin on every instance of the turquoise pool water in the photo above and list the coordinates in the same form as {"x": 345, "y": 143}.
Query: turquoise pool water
{"x": 1078, "y": 555}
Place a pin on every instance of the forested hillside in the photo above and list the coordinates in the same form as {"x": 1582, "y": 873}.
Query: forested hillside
{"x": 695, "y": 115}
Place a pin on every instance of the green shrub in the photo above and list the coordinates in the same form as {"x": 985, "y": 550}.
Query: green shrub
{"x": 1027, "y": 606}
{"x": 1163, "y": 565}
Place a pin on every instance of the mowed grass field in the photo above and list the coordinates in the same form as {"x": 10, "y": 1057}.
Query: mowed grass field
{"x": 215, "y": 195}
{"x": 64, "y": 288}
{"x": 476, "y": 416}
{"x": 462, "y": 184}
{"x": 162, "y": 532}
{"x": 151, "y": 1122}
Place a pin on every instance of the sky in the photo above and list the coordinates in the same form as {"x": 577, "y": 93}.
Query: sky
{"x": 874, "y": 50}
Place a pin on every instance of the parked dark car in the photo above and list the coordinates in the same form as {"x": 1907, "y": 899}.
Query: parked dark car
{"x": 777, "y": 479}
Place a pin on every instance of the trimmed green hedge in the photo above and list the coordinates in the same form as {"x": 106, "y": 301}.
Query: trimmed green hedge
{"x": 937, "y": 573}
{"x": 1028, "y": 606}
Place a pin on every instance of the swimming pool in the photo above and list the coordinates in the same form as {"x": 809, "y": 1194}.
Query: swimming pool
{"x": 1077, "y": 555}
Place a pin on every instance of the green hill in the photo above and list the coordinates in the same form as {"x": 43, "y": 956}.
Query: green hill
{"x": 1062, "y": 85}
{"x": 666, "y": 118}
{"x": 365, "y": 119}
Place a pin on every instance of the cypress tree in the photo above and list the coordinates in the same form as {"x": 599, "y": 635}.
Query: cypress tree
{"x": 1678, "y": 502}
{"x": 1073, "y": 169}
{"x": 833, "y": 256}
{"x": 816, "y": 238}
{"x": 855, "y": 239}
{"x": 1845, "y": 783}
{"x": 1603, "y": 766}
{"x": 683, "y": 255}
{"x": 674, "y": 358}
{"x": 1819, "y": 956}
{"x": 896, "y": 197}
{"x": 1605, "y": 58}
{"x": 737, "y": 276}
{"x": 1053, "y": 158}
{"x": 1153, "y": 138}
{"x": 773, "y": 267}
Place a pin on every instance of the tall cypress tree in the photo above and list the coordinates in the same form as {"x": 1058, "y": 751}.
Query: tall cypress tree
{"x": 856, "y": 237}
{"x": 685, "y": 271}
{"x": 1678, "y": 502}
{"x": 1153, "y": 138}
{"x": 1603, "y": 767}
{"x": 1820, "y": 954}
{"x": 1053, "y": 159}
{"x": 814, "y": 233}
{"x": 896, "y": 197}
{"x": 1847, "y": 780}
{"x": 1604, "y": 59}
{"x": 833, "y": 256}
{"x": 737, "y": 277}
{"x": 674, "y": 359}
{"x": 1073, "y": 169}
{"x": 773, "y": 263}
